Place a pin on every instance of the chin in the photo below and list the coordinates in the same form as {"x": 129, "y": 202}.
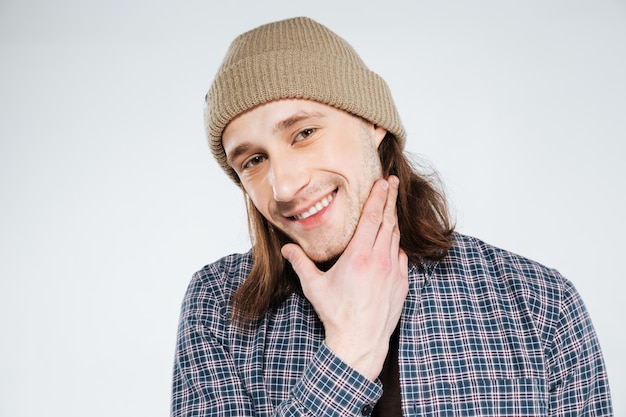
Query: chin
{"x": 327, "y": 249}
{"x": 326, "y": 258}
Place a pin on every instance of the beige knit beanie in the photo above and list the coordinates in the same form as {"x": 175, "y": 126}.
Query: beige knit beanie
{"x": 294, "y": 58}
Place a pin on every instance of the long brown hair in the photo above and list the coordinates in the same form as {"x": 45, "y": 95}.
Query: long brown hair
{"x": 425, "y": 234}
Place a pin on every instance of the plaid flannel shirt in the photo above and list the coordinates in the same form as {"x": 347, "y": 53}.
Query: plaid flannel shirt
{"x": 484, "y": 332}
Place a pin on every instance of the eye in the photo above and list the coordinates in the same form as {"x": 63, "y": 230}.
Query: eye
{"x": 254, "y": 161}
{"x": 304, "y": 134}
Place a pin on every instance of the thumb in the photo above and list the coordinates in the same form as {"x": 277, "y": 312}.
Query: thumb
{"x": 300, "y": 262}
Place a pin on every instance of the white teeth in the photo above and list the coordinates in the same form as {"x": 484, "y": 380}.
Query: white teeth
{"x": 324, "y": 202}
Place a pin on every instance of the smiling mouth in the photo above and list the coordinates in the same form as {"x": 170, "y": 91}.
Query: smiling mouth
{"x": 315, "y": 208}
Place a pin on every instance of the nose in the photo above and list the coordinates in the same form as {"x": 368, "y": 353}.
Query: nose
{"x": 287, "y": 177}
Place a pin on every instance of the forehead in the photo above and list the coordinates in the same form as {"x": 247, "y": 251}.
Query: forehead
{"x": 274, "y": 117}
{"x": 270, "y": 114}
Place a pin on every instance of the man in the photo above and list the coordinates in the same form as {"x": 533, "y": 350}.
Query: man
{"x": 357, "y": 297}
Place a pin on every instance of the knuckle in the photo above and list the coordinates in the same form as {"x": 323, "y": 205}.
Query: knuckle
{"x": 362, "y": 259}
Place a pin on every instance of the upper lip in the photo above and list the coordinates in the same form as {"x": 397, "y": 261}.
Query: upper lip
{"x": 304, "y": 208}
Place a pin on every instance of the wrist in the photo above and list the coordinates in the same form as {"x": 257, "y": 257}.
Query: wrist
{"x": 366, "y": 358}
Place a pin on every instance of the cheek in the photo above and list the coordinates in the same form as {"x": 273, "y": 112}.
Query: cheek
{"x": 359, "y": 160}
{"x": 260, "y": 195}
{"x": 338, "y": 156}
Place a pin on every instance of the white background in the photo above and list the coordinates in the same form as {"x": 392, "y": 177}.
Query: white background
{"x": 110, "y": 198}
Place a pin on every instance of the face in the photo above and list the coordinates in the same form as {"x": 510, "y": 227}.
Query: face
{"x": 308, "y": 168}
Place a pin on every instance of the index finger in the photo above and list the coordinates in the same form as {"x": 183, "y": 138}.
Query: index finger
{"x": 371, "y": 216}
{"x": 389, "y": 225}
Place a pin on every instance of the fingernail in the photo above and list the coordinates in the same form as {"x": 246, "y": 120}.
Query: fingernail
{"x": 385, "y": 185}
{"x": 394, "y": 181}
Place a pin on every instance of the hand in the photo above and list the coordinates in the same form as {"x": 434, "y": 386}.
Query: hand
{"x": 359, "y": 300}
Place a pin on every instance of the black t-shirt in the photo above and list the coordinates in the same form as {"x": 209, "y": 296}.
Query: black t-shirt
{"x": 390, "y": 404}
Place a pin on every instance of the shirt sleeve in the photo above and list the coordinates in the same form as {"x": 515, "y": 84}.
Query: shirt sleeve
{"x": 578, "y": 382}
{"x": 207, "y": 381}
{"x": 329, "y": 387}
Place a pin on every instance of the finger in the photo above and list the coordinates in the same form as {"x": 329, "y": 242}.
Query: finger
{"x": 300, "y": 262}
{"x": 395, "y": 241}
{"x": 371, "y": 217}
{"x": 390, "y": 217}
{"x": 389, "y": 231}
{"x": 403, "y": 281}
{"x": 403, "y": 261}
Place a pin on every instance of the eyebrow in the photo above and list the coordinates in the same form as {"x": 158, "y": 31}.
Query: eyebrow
{"x": 237, "y": 151}
{"x": 291, "y": 120}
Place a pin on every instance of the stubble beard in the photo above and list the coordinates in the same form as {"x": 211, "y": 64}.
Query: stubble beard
{"x": 330, "y": 246}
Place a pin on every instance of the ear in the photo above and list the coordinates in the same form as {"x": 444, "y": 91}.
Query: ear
{"x": 379, "y": 135}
